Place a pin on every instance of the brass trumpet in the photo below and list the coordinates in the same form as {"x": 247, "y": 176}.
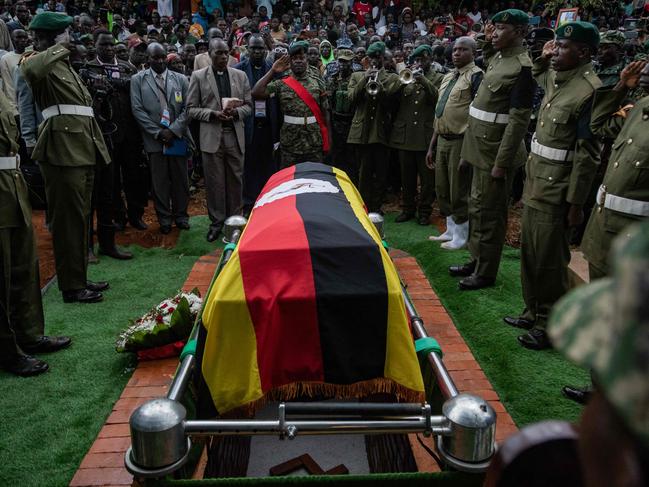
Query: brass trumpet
{"x": 373, "y": 86}
{"x": 407, "y": 75}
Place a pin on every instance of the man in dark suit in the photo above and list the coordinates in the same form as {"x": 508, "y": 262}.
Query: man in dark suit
{"x": 158, "y": 101}
{"x": 262, "y": 128}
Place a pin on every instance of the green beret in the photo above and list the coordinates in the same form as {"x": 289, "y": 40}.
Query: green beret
{"x": 53, "y": 21}
{"x": 612, "y": 37}
{"x": 298, "y": 46}
{"x": 424, "y": 48}
{"x": 376, "y": 48}
{"x": 579, "y": 31}
{"x": 511, "y": 16}
{"x": 345, "y": 54}
{"x": 542, "y": 34}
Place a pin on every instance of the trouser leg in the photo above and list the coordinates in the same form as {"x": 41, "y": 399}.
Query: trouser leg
{"x": 69, "y": 192}
{"x": 379, "y": 180}
{"x": 459, "y": 183}
{"x": 408, "y": 166}
{"x": 426, "y": 185}
{"x": 233, "y": 174}
{"x": 179, "y": 188}
{"x": 443, "y": 176}
{"x": 161, "y": 186}
{"x": 214, "y": 173}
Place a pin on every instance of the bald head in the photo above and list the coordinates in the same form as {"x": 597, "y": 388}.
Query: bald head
{"x": 214, "y": 33}
{"x": 463, "y": 51}
{"x": 466, "y": 41}
{"x": 157, "y": 55}
{"x": 218, "y": 51}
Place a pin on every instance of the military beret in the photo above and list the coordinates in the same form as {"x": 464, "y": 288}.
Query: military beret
{"x": 612, "y": 37}
{"x": 542, "y": 34}
{"x": 297, "y": 47}
{"x": 424, "y": 48}
{"x": 345, "y": 54}
{"x": 579, "y": 31}
{"x": 376, "y": 48}
{"x": 53, "y": 21}
{"x": 511, "y": 16}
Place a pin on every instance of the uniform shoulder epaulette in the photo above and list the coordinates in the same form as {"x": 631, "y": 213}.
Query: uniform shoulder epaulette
{"x": 593, "y": 79}
{"x": 524, "y": 59}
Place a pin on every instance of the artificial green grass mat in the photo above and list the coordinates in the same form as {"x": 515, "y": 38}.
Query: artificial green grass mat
{"x": 528, "y": 382}
{"x": 49, "y": 422}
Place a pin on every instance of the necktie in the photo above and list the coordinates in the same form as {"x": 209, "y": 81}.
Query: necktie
{"x": 441, "y": 104}
{"x": 162, "y": 94}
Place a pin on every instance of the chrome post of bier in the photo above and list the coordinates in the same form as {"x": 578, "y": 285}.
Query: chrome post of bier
{"x": 378, "y": 221}
{"x": 233, "y": 227}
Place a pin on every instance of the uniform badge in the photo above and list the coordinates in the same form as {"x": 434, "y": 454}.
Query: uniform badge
{"x": 567, "y": 31}
{"x": 505, "y": 16}
{"x": 179, "y": 96}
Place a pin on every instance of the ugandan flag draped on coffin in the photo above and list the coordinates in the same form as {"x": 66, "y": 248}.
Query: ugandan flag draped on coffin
{"x": 309, "y": 303}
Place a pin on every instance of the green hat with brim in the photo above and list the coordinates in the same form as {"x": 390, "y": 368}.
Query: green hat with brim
{"x": 604, "y": 326}
{"x": 345, "y": 54}
{"x": 376, "y": 48}
{"x": 579, "y": 31}
{"x": 612, "y": 37}
{"x": 52, "y": 21}
{"x": 420, "y": 51}
{"x": 298, "y": 47}
{"x": 511, "y": 16}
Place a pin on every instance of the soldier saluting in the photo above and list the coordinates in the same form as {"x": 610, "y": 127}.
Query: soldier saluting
{"x": 563, "y": 160}
{"x": 493, "y": 143}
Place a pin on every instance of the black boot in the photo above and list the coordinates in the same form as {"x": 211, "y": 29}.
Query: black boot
{"x": 106, "y": 238}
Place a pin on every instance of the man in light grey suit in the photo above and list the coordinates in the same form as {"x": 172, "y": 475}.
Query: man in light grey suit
{"x": 222, "y": 135}
{"x": 159, "y": 103}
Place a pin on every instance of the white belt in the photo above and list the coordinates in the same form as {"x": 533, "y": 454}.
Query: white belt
{"x": 8, "y": 163}
{"x": 623, "y": 205}
{"x": 488, "y": 116}
{"x": 67, "y": 110}
{"x": 561, "y": 155}
{"x": 299, "y": 120}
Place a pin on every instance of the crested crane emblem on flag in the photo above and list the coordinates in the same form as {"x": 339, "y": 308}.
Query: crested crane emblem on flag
{"x": 295, "y": 187}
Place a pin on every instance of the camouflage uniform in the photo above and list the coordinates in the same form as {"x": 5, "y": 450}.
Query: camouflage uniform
{"x": 299, "y": 142}
{"x": 611, "y": 75}
{"x": 342, "y": 113}
{"x": 604, "y": 326}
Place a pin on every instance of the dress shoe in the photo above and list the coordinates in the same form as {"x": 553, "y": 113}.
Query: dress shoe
{"x": 213, "y": 233}
{"x": 473, "y": 282}
{"x": 165, "y": 229}
{"x": 577, "y": 394}
{"x": 423, "y": 220}
{"x": 182, "y": 225}
{"x": 47, "y": 344}
{"x": 462, "y": 270}
{"x": 116, "y": 253}
{"x": 138, "y": 223}
{"x": 518, "y": 322}
{"x": 25, "y": 366}
{"x": 82, "y": 296}
{"x": 535, "y": 339}
{"x": 403, "y": 217}
{"x": 97, "y": 286}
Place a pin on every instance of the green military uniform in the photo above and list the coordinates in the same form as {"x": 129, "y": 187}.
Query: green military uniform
{"x": 371, "y": 131}
{"x": 498, "y": 120}
{"x": 611, "y": 75}
{"x": 452, "y": 118}
{"x": 300, "y": 138}
{"x": 411, "y": 131}
{"x": 21, "y": 309}
{"x": 69, "y": 144}
{"x": 623, "y": 197}
{"x": 342, "y": 113}
{"x": 560, "y": 169}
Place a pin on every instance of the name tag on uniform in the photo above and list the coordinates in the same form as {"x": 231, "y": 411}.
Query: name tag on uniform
{"x": 179, "y": 96}
{"x": 260, "y": 108}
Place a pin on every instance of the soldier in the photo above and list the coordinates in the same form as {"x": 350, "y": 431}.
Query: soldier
{"x": 560, "y": 169}
{"x": 69, "y": 145}
{"x": 342, "y": 113}
{"x": 452, "y": 185}
{"x": 413, "y": 126}
{"x": 610, "y": 57}
{"x": 304, "y": 137}
{"x": 21, "y": 309}
{"x": 371, "y": 125}
{"x": 493, "y": 144}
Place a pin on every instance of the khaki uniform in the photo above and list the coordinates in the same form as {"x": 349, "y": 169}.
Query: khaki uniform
{"x": 452, "y": 185}
{"x": 371, "y": 131}
{"x": 21, "y": 309}
{"x": 412, "y": 128}
{"x": 559, "y": 172}
{"x": 624, "y": 194}
{"x": 300, "y": 142}
{"x": 67, "y": 148}
{"x": 498, "y": 119}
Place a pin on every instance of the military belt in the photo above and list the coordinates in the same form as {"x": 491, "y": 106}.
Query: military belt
{"x": 551, "y": 153}
{"x": 55, "y": 110}
{"x": 488, "y": 116}
{"x": 7, "y": 163}
{"x": 451, "y": 136}
{"x": 299, "y": 120}
{"x": 621, "y": 204}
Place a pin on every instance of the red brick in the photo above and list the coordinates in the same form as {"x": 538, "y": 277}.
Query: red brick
{"x": 114, "y": 430}
{"x": 152, "y": 379}
{"x": 462, "y": 365}
{"x": 498, "y": 407}
{"x": 165, "y": 362}
{"x": 487, "y": 394}
{"x": 121, "y": 416}
{"x": 146, "y": 391}
{"x": 101, "y": 476}
{"x": 470, "y": 385}
{"x": 110, "y": 445}
{"x": 129, "y": 403}
{"x": 103, "y": 460}
{"x": 472, "y": 374}
{"x": 455, "y": 348}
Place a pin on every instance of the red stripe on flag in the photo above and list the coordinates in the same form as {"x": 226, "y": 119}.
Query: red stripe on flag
{"x": 288, "y": 340}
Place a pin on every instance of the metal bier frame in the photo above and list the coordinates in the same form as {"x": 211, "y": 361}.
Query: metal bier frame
{"x": 465, "y": 431}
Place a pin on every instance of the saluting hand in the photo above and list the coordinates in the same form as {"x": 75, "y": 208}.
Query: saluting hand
{"x": 489, "y": 32}
{"x": 282, "y": 64}
{"x": 548, "y": 49}
{"x": 630, "y": 76}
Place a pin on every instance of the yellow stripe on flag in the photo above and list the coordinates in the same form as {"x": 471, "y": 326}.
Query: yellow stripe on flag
{"x": 226, "y": 368}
